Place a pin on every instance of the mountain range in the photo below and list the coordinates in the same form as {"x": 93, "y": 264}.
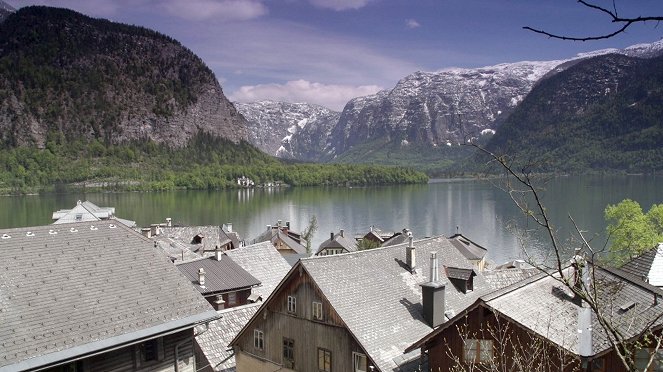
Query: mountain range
{"x": 427, "y": 111}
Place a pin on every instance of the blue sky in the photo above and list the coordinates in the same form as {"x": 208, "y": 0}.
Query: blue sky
{"x": 328, "y": 51}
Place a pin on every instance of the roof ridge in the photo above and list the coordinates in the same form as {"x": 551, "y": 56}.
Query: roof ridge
{"x": 378, "y": 249}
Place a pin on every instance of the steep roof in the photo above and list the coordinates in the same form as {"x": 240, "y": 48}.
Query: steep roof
{"x": 220, "y": 275}
{"x": 212, "y": 237}
{"x": 648, "y": 266}
{"x": 67, "y": 291}
{"x": 546, "y": 307}
{"x": 338, "y": 240}
{"x": 88, "y": 212}
{"x": 264, "y": 263}
{"x": 287, "y": 236}
{"x": 379, "y": 299}
{"x": 469, "y": 249}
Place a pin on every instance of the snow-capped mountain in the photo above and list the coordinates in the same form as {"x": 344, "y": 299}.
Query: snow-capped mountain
{"x": 430, "y": 108}
{"x": 273, "y": 127}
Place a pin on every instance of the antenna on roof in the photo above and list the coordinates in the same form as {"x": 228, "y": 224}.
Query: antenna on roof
{"x": 457, "y": 229}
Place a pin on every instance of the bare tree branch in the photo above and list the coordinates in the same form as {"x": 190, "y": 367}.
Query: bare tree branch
{"x": 614, "y": 18}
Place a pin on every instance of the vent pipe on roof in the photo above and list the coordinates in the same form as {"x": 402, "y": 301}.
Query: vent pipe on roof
{"x": 410, "y": 254}
{"x": 434, "y": 268}
{"x": 201, "y": 277}
{"x": 217, "y": 255}
{"x": 342, "y": 236}
{"x": 331, "y": 236}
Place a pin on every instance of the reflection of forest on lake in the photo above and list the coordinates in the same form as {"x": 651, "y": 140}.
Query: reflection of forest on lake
{"x": 482, "y": 211}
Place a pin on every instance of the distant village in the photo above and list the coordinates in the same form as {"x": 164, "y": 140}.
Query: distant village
{"x": 95, "y": 292}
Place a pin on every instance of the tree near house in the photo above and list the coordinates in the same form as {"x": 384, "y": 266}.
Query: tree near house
{"x": 631, "y": 231}
{"x": 521, "y": 183}
{"x": 309, "y": 231}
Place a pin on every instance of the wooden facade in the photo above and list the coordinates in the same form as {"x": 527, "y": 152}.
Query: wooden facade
{"x": 307, "y": 335}
{"x": 227, "y": 300}
{"x": 514, "y": 348}
{"x": 153, "y": 355}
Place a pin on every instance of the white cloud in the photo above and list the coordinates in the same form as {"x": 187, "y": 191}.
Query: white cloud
{"x": 340, "y": 4}
{"x": 329, "y": 95}
{"x": 412, "y": 23}
{"x": 197, "y": 10}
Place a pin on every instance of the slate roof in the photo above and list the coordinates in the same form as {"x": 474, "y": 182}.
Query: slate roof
{"x": 648, "y": 266}
{"x": 67, "y": 290}
{"x": 220, "y": 276}
{"x": 545, "y": 307}
{"x": 286, "y": 236}
{"x": 264, "y": 263}
{"x": 380, "y": 299}
{"x": 338, "y": 241}
{"x": 268, "y": 266}
{"x": 213, "y": 237}
{"x": 175, "y": 249}
{"x": 500, "y": 278}
{"x": 88, "y": 212}
{"x": 214, "y": 342}
{"x": 469, "y": 249}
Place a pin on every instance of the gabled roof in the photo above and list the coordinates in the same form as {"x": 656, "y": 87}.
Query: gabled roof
{"x": 88, "y": 212}
{"x": 66, "y": 291}
{"x": 222, "y": 275}
{"x": 648, "y": 266}
{"x": 339, "y": 240}
{"x": 469, "y": 249}
{"x": 264, "y": 263}
{"x": 275, "y": 233}
{"x": 544, "y": 306}
{"x": 379, "y": 299}
{"x": 213, "y": 237}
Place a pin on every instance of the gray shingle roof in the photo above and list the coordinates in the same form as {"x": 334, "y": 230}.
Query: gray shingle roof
{"x": 220, "y": 276}
{"x": 338, "y": 241}
{"x": 88, "y": 212}
{"x": 214, "y": 342}
{"x": 286, "y": 236}
{"x": 211, "y": 236}
{"x": 264, "y": 263}
{"x": 380, "y": 300}
{"x": 469, "y": 249}
{"x": 544, "y": 306}
{"x": 500, "y": 278}
{"x": 648, "y": 266}
{"x": 69, "y": 289}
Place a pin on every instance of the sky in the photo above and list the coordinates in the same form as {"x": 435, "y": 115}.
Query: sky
{"x": 329, "y": 51}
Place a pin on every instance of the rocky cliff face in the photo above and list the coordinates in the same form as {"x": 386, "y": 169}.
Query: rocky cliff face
{"x": 288, "y": 130}
{"x": 91, "y": 78}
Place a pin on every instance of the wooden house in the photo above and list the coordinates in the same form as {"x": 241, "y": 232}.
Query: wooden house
{"x": 94, "y": 297}
{"x": 539, "y": 324}
{"x": 220, "y": 280}
{"x": 284, "y": 239}
{"x": 269, "y": 267}
{"x": 376, "y": 235}
{"x": 336, "y": 244}
{"x": 357, "y": 311}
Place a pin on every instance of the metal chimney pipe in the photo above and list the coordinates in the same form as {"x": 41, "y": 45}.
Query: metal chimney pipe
{"x": 434, "y": 267}
{"x": 201, "y": 277}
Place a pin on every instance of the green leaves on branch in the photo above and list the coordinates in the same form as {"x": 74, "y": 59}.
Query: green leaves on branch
{"x": 631, "y": 231}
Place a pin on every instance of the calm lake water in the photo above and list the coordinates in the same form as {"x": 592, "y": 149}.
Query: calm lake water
{"x": 480, "y": 210}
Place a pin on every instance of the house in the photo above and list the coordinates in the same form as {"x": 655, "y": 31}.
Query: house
{"x": 336, "y": 244}
{"x": 201, "y": 240}
{"x": 359, "y": 310}
{"x": 269, "y": 267}
{"x": 94, "y": 297}
{"x": 220, "y": 280}
{"x": 376, "y": 235}
{"x": 245, "y": 182}
{"x": 88, "y": 212}
{"x": 471, "y": 250}
{"x": 540, "y": 322}
{"x": 284, "y": 239}
{"x": 648, "y": 266}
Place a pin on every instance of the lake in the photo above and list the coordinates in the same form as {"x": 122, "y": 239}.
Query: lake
{"x": 477, "y": 208}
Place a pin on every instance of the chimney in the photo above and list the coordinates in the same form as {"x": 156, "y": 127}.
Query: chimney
{"x": 229, "y": 227}
{"x": 217, "y": 255}
{"x": 287, "y": 224}
{"x": 331, "y": 236}
{"x": 147, "y": 232}
{"x": 432, "y": 294}
{"x": 201, "y": 277}
{"x": 154, "y": 229}
{"x": 169, "y": 222}
{"x": 342, "y": 236}
{"x": 279, "y": 222}
{"x": 269, "y": 227}
{"x": 410, "y": 255}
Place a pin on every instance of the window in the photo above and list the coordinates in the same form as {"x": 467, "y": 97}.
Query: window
{"x": 642, "y": 358}
{"x": 359, "y": 362}
{"x": 258, "y": 339}
{"x": 317, "y": 310}
{"x": 232, "y": 298}
{"x": 324, "y": 360}
{"x": 289, "y": 353}
{"x": 292, "y": 304}
{"x": 150, "y": 350}
{"x": 79, "y": 217}
{"x": 478, "y": 351}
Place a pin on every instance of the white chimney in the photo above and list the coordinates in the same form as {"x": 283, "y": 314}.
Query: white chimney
{"x": 169, "y": 222}
{"x": 410, "y": 254}
{"x": 229, "y": 227}
{"x": 217, "y": 255}
{"x": 434, "y": 268}
{"x": 269, "y": 227}
{"x": 201, "y": 277}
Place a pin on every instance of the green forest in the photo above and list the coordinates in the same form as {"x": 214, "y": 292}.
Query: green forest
{"x": 206, "y": 162}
